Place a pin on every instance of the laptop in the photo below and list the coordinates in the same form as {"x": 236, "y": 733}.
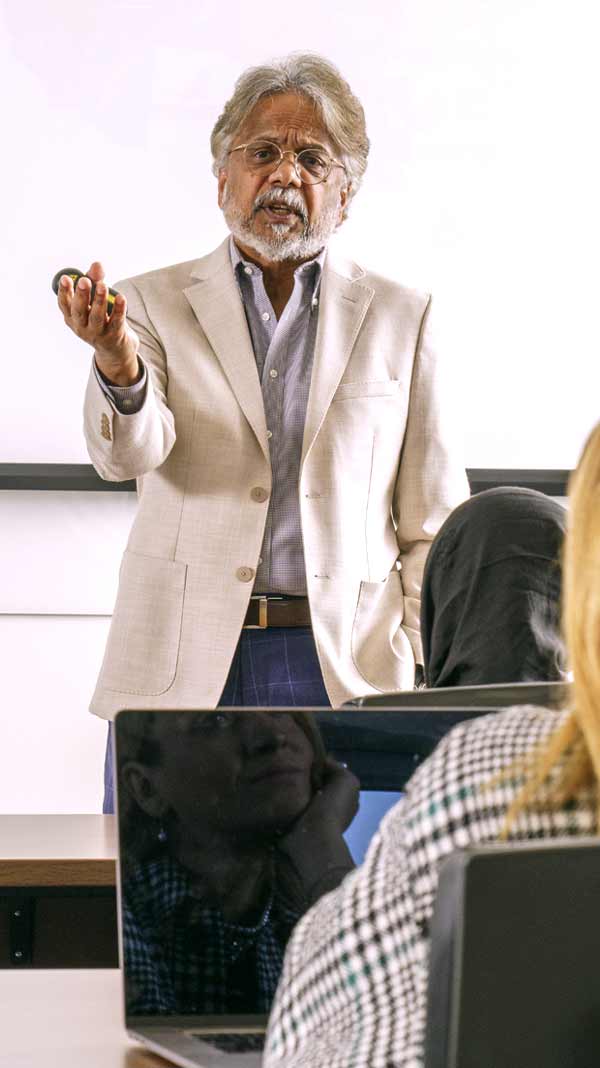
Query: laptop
{"x": 490, "y": 695}
{"x": 514, "y": 951}
{"x": 212, "y": 879}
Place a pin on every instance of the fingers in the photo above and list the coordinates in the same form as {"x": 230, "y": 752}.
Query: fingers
{"x": 331, "y": 763}
{"x": 74, "y": 302}
{"x": 114, "y": 327}
{"x": 338, "y": 779}
{"x": 85, "y": 309}
{"x": 96, "y": 272}
{"x": 335, "y": 768}
{"x": 81, "y": 302}
{"x": 88, "y": 316}
{"x": 65, "y": 294}
{"x": 119, "y": 312}
{"x": 97, "y": 313}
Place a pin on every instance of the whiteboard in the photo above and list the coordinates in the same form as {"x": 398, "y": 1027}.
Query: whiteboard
{"x": 482, "y": 187}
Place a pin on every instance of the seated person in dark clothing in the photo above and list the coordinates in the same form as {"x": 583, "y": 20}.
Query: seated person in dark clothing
{"x": 490, "y": 606}
{"x": 234, "y": 825}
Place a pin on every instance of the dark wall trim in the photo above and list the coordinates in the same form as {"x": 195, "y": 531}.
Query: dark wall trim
{"x": 57, "y": 477}
{"x": 83, "y": 477}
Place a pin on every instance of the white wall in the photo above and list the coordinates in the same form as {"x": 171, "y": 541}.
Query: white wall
{"x": 482, "y": 187}
{"x": 52, "y": 750}
{"x": 59, "y": 555}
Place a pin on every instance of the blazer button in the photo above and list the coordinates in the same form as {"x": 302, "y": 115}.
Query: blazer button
{"x": 258, "y": 493}
{"x": 245, "y": 574}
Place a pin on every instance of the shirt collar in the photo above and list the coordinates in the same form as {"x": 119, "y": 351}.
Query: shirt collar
{"x": 165, "y": 885}
{"x": 312, "y": 268}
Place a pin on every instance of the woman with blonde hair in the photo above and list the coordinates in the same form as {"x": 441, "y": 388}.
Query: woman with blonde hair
{"x": 353, "y": 987}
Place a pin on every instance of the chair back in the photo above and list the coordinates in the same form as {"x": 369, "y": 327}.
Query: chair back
{"x": 514, "y": 962}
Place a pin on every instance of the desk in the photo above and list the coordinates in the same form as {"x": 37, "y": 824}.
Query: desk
{"x": 66, "y": 1019}
{"x": 57, "y": 891}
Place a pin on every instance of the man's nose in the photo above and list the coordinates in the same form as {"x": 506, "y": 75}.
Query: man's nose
{"x": 261, "y": 732}
{"x": 286, "y": 174}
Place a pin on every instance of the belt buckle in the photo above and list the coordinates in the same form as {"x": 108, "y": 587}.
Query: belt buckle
{"x": 262, "y": 614}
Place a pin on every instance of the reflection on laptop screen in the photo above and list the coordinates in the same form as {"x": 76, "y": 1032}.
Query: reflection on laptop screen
{"x": 231, "y": 824}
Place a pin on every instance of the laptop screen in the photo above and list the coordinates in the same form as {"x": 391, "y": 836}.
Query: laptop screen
{"x": 232, "y": 822}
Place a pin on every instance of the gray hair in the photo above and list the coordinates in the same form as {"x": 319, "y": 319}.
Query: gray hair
{"x": 316, "y": 78}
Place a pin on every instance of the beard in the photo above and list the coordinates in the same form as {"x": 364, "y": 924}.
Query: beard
{"x": 281, "y": 242}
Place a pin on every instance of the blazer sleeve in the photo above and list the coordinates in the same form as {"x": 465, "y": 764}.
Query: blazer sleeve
{"x": 126, "y": 446}
{"x": 431, "y": 477}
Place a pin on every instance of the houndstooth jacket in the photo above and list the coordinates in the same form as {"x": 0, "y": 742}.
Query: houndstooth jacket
{"x": 353, "y": 987}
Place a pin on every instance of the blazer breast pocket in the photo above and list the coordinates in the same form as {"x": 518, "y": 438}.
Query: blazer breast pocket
{"x": 388, "y": 387}
{"x": 143, "y": 642}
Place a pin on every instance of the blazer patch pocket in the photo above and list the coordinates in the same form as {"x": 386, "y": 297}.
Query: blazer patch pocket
{"x": 387, "y": 387}
{"x": 381, "y": 651}
{"x": 143, "y": 641}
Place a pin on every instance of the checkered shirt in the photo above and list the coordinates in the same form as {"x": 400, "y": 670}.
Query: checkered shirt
{"x": 353, "y": 988}
{"x": 183, "y": 956}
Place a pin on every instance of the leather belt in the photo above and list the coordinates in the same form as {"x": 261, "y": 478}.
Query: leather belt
{"x": 277, "y": 612}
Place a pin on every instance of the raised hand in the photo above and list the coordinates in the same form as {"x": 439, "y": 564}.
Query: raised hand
{"x": 116, "y": 345}
{"x": 314, "y": 847}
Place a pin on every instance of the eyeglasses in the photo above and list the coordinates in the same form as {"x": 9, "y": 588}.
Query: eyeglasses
{"x": 311, "y": 164}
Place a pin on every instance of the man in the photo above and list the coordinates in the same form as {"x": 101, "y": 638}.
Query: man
{"x": 281, "y": 412}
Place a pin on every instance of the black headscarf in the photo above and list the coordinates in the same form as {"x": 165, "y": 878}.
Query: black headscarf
{"x": 490, "y": 606}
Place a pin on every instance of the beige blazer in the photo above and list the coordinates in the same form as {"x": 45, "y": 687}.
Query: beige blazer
{"x": 379, "y": 475}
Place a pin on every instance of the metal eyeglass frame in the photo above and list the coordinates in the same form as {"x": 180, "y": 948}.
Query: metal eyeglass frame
{"x": 288, "y": 152}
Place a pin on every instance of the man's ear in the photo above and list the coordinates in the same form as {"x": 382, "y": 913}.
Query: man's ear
{"x": 222, "y": 182}
{"x": 140, "y": 783}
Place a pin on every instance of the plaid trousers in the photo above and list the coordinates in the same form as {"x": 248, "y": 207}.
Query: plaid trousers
{"x": 273, "y": 667}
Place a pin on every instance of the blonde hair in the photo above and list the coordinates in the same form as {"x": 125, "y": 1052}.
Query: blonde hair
{"x": 312, "y": 76}
{"x": 570, "y": 760}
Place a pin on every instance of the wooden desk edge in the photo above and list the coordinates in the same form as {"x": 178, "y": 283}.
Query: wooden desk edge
{"x": 58, "y": 872}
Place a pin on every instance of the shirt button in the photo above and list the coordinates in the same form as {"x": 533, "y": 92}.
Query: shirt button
{"x": 265, "y": 317}
{"x": 269, "y": 433}
{"x": 273, "y": 373}
{"x": 315, "y": 302}
{"x": 247, "y": 270}
{"x": 245, "y": 574}
{"x": 259, "y": 493}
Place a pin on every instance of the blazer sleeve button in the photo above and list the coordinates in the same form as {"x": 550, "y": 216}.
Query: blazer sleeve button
{"x": 259, "y": 494}
{"x": 245, "y": 574}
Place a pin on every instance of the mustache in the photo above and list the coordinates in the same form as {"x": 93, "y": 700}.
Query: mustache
{"x": 291, "y": 198}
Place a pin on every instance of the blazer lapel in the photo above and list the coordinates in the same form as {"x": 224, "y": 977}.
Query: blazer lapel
{"x": 217, "y": 305}
{"x": 343, "y": 306}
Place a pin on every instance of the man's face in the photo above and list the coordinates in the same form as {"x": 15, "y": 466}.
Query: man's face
{"x": 277, "y": 217}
